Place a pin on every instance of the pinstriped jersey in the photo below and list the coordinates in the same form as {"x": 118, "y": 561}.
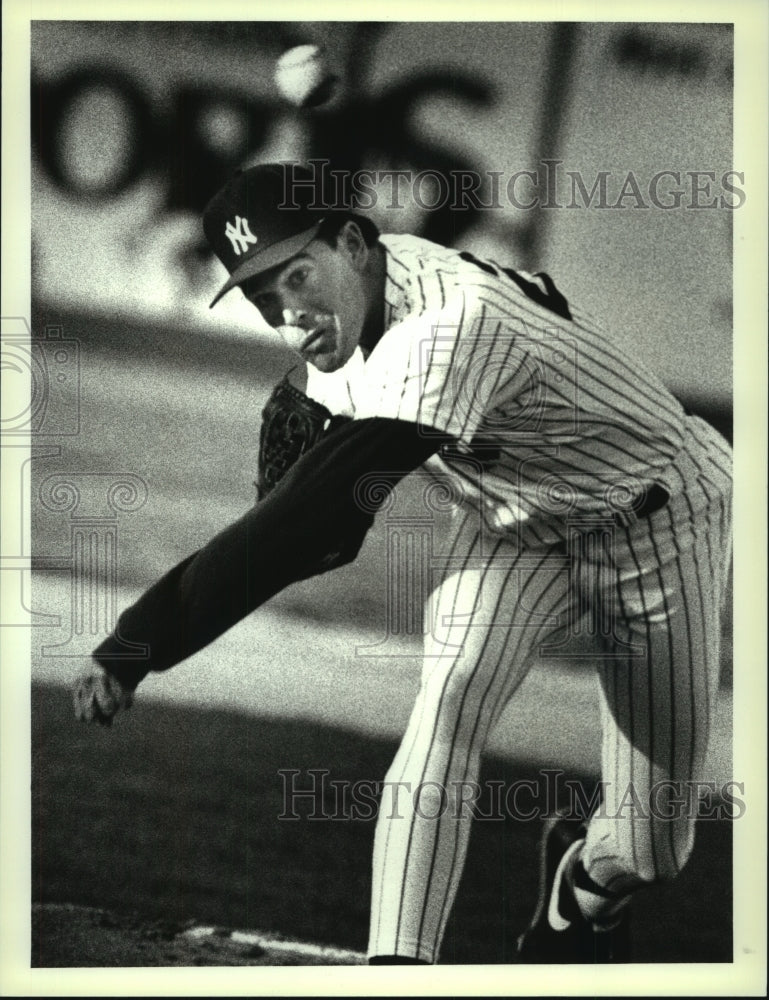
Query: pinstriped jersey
{"x": 550, "y": 416}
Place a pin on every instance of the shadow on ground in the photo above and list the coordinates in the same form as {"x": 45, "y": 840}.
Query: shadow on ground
{"x": 171, "y": 818}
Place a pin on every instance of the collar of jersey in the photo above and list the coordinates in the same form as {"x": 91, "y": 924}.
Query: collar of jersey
{"x": 396, "y": 298}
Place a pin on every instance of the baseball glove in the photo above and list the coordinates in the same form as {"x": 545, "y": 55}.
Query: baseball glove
{"x": 291, "y": 424}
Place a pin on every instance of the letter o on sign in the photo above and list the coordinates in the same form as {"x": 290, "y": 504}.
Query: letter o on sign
{"x": 92, "y": 131}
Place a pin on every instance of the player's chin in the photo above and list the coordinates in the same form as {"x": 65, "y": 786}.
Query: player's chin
{"x": 326, "y": 362}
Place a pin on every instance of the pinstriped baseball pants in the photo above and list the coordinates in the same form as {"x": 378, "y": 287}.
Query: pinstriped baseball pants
{"x": 660, "y": 586}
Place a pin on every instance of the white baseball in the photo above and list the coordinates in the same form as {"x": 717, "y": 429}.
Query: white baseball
{"x": 302, "y": 76}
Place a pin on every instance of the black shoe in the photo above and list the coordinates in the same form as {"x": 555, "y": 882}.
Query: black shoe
{"x": 558, "y": 933}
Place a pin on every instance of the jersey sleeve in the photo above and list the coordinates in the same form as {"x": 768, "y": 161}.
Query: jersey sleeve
{"x": 313, "y": 521}
{"x": 443, "y": 369}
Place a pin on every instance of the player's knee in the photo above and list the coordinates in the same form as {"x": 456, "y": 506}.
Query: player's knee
{"x": 431, "y": 799}
{"x": 446, "y": 692}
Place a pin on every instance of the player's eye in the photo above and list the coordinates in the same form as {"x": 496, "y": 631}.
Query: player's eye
{"x": 297, "y": 278}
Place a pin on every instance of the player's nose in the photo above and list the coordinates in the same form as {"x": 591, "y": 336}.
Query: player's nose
{"x": 296, "y": 317}
{"x": 283, "y": 309}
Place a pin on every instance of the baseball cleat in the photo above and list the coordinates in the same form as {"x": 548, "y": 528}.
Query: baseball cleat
{"x": 558, "y": 932}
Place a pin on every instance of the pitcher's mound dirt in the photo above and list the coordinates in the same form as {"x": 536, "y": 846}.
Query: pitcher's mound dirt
{"x": 68, "y": 936}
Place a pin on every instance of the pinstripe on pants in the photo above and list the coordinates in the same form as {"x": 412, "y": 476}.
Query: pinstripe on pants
{"x": 662, "y": 587}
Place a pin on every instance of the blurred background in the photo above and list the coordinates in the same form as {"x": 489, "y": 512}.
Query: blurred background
{"x": 146, "y": 429}
{"x": 136, "y": 124}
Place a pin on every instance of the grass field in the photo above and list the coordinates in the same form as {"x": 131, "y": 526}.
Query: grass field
{"x": 173, "y": 815}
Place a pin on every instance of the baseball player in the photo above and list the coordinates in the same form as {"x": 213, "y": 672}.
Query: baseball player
{"x": 588, "y": 500}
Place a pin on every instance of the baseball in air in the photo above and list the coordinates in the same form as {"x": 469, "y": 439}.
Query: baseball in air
{"x": 303, "y": 78}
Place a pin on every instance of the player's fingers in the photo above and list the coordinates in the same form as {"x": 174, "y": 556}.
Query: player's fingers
{"x": 82, "y": 699}
{"x": 93, "y": 701}
{"x": 103, "y": 719}
{"x": 115, "y": 697}
{"x": 85, "y": 707}
{"x": 101, "y": 710}
{"x": 107, "y": 700}
{"x": 96, "y": 713}
{"x": 76, "y": 702}
{"x": 98, "y": 697}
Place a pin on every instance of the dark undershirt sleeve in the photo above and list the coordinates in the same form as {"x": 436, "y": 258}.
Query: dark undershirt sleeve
{"x": 310, "y": 523}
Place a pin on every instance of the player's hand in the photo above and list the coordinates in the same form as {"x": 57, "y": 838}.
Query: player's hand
{"x": 98, "y": 696}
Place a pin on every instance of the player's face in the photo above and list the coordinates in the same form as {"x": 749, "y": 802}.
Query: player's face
{"x": 316, "y": 301}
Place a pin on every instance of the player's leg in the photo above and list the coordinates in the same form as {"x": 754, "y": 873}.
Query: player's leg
{"x": 486, "y": 618}
{"x": 657, "y": 710}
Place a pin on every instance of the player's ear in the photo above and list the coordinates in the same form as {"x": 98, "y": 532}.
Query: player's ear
{"x": 351, "y": 241}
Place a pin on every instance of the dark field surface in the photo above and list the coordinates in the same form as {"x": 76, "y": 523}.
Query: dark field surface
{"x": 171, "y": 818}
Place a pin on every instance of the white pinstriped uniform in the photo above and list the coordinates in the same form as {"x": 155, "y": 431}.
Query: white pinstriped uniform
{"x": 556, "y": 428}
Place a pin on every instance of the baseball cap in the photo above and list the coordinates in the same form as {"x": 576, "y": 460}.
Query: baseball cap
{"x": 246, "y": 226}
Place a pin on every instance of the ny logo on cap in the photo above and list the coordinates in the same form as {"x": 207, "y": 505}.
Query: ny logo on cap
{"x": 239, "y": 235}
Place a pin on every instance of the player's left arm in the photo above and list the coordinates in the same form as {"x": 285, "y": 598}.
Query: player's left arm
{"x": 311, "y": 522}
